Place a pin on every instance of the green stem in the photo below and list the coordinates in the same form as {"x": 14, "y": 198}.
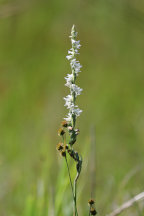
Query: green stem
{"x": 73, "y": 194}
{"x": 75, "y": 197}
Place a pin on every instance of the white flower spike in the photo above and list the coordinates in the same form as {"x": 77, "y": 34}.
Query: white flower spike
{"x": 70, "y": 100}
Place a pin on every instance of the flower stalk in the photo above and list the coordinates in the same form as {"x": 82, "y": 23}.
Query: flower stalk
{"x": 73, "y": 113}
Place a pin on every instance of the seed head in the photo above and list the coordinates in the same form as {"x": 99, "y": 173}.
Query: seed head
{"x": 61, "y": 132}
{"x": 91, "y": 202}
{"x": 63, "y": 153}
{"x": 60, "y": 146}
{"x": 93, "y": 211}
{"x": 64, "y": 124}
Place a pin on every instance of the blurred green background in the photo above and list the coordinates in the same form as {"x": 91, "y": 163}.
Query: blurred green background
{"x": 33, "y": 45}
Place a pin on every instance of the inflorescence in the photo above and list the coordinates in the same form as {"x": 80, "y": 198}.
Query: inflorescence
{"x": 70, "y": 99}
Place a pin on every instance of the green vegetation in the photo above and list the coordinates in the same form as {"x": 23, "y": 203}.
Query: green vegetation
{"x": 33, "y": 43}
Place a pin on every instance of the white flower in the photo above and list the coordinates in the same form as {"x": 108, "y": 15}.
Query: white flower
{"x": 73, "y": 52}
{"x": 76, "y": 66}
{"x": 77, "y": 111}
{"x": 70, "y": 52}
{"x": 76, "y": 43}
{"x": 74, "y": 34}
{"x": 69, "y": 57}
{"x": 69, "y": 101}
{"x": 76, "y": 89}
{"x": 69, "y": 79}
{"x": 68, "y": 117}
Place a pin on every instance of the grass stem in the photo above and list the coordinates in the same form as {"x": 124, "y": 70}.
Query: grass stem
{"x": 89, "y": 211}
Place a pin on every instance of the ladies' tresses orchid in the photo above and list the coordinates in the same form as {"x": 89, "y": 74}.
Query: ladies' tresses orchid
{"x": 66, "y": 148}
